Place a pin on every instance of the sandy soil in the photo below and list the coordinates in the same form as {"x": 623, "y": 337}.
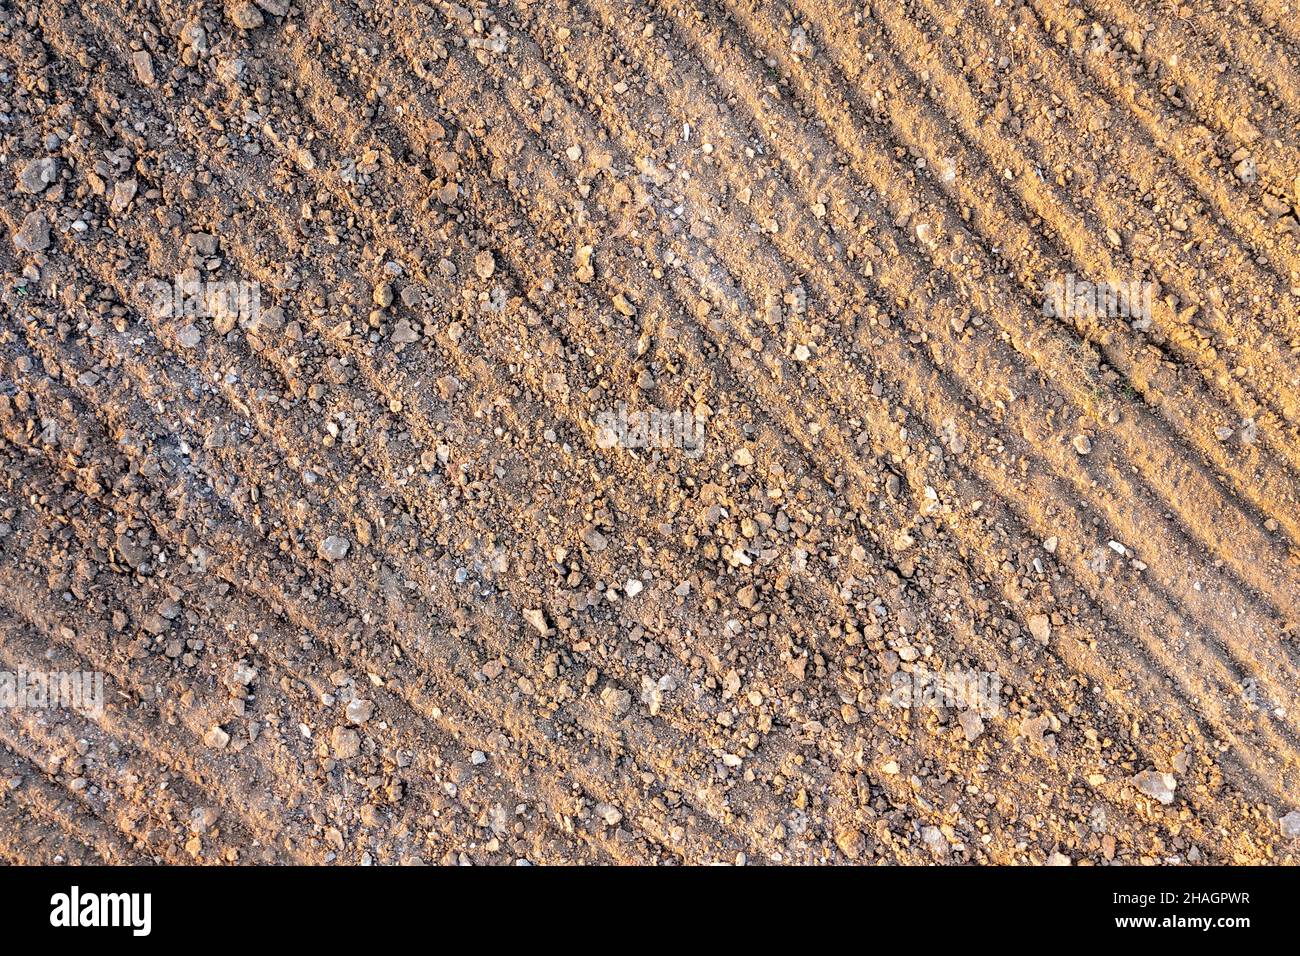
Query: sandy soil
{"x": 371, "y": 576}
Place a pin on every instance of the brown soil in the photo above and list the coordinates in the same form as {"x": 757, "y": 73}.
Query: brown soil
{"x": 368, "y": 580}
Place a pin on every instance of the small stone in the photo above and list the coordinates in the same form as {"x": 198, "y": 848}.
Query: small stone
{"x": 1275, "y": 205}
{"x": 334, "y": 548}
{"x": 652, "y": 691}
{"x": 1244, "y": 129}
{"x": 633, "y": 587}
{"x": 124, "y": 191}
{"x": 188, "y": 336}
{"x": 485, "y": 265}
{"x": 1041, "y": 628}
{"x": 972, "y": 724}
{"x": 1290, "y": 825}
{"x": 1034, "y": 730}
{"x": 132, "y": 553}
{"x": 194, "y": 37}
{"x": 143, "y": 64}
{"x": 359, "y": 710}
{"x": 595, "y": 540}
{"x": 850, "y": 841}
{"x": 537, "y": 619}
{"x": 582, "y": 259}
{"x": 404, "y": 334}
{"x": 616, "y": 700}
{"x": 345, "y": 743}
{"x": 890, "y": 768}
{"x": 743, "y": 457}
{"x": 1082, "y": 444}
{"x": 268, "y": 319}
{"x": 34, "y": 234}
{"x": 202, "y": 819}
{"x": 38, "y": 174}
{"x": 800, "y": 45}
{"x": 1158, "y": 786}
{"x": 246, "y": 16}
{"x": 448, "y": 387}
{"x": 216, "y": 738}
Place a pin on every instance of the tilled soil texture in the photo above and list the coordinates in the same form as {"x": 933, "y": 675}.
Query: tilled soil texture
{"x": 621, "y": 404}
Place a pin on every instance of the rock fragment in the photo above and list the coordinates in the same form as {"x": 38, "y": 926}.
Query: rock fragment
{"x": 245, "y": 15}
{"x": 38, "y": 174}
{"x": 972, "y": 724}
{"x": 359, "y": 710}
{"x": 143, "y": 64}
{"x": 404, "y": 334}
{"x": 345, "y": 743}
{"x": 1158, "y": 786}
{"x": 616, "y": 700}
{"x": 624, "y": 305}
{"x": 34, "y": 234}
{"x": 1290, "y": 825}
{"x": 334, "y": 548}
{"x": 1041, "y": 627}
{"x": 124, "y": 191}
{"x": 537, "y": 619}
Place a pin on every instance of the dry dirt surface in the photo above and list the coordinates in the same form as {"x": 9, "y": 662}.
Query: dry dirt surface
{"x": 373, "y": 572}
